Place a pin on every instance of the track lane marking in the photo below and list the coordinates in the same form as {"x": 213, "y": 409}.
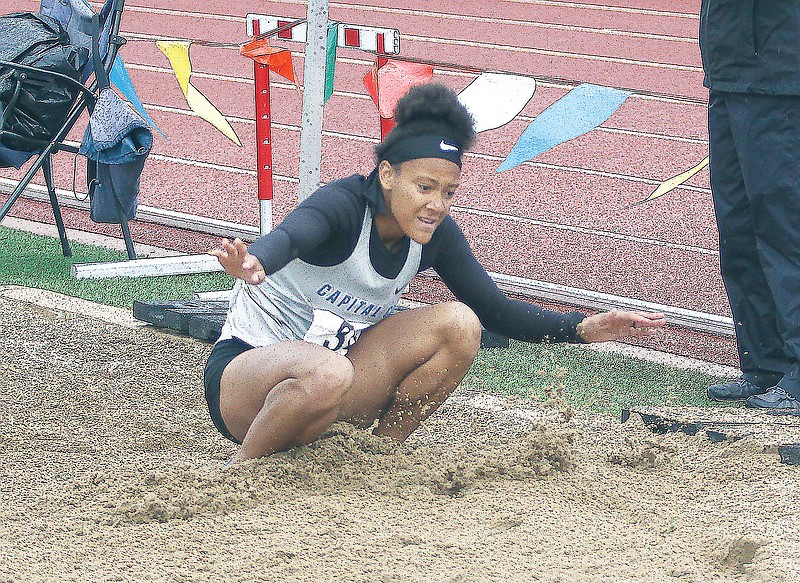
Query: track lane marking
{"x": 8, "y": 185}
{"x": 505, "y": 21}
{"x": 600, "y": 7}
{"x": 546, "y": 52}
{"x": 583, "y": 230}
{"x": 496, "y": 46}
{"x": 488, "y": 157}
{"x": 462, "y": 17}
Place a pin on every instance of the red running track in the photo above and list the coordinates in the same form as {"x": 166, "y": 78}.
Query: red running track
{"x": 567, "y": 217}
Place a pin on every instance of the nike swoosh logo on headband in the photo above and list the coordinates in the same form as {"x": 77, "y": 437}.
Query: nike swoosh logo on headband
{"x": 444, "y": 146}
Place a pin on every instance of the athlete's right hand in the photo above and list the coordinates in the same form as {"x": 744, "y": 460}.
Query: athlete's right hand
{"x": 238, "y": 263}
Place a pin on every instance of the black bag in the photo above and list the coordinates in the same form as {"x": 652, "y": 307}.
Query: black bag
{"x": 116, "y": 145}
{"x": 34, "y": 106}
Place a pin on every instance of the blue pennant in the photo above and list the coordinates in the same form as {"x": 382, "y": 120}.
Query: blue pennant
{"x": 579, "y": 111}
{"x": 122, "y": 81}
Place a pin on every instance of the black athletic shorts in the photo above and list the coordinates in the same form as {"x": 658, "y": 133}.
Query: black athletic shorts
{"x": 221, "y": 355}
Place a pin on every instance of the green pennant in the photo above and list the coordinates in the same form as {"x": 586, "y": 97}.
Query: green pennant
{"x": 330, "y": 58}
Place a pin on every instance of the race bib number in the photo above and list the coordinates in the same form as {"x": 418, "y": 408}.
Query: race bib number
{"x": 333, "y": 332}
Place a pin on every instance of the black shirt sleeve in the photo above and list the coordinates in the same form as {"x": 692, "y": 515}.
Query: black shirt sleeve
{"x": 469, "y": 282}
{"x": 312, "y": 226}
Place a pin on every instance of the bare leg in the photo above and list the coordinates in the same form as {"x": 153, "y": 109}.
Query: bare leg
{"x": 283, "y": 395}
{"x": 407, "y": 365}
{"x": 399, "y": 372}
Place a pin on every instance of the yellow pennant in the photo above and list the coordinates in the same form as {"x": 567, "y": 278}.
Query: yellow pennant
{"x": 676, "y": 181}
{"x": 178, "y": 54}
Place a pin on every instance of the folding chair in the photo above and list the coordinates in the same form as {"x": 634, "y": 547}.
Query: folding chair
{"x": 85, "y": 100}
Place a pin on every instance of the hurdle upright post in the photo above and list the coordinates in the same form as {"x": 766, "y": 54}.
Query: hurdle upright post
{"x": 263, "y": 142}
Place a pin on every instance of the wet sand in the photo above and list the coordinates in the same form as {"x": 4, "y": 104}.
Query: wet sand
{"x": 112, "y": 472}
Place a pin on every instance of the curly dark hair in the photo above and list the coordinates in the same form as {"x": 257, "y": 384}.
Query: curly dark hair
{"x": 430, "y": 109}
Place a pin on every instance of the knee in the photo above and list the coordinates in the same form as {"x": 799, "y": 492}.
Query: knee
{"x": 327, "y": 382}
{"x": 461, "y": 328}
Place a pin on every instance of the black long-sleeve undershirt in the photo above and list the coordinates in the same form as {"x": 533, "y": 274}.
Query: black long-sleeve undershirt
{"x": 324, "y": 229}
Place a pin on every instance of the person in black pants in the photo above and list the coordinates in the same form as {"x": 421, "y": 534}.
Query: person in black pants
{"x": 751, "y": 58}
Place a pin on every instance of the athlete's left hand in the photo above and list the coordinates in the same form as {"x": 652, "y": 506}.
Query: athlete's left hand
{"x": 237, "y": 262}
{"x": 617, "y": 324}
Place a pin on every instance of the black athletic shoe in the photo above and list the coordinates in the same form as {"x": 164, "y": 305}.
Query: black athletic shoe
{"x": 737, "y": 390}
{"x": 775, "y": 399}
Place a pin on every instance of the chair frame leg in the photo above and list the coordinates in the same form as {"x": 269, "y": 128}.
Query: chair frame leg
{"x": 126, "y": 234}
{"x": 47, "y": 170}
{"x": 126, "y": 231}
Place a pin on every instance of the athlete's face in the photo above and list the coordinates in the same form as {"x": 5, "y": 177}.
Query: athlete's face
{"x": 418, "y": 195}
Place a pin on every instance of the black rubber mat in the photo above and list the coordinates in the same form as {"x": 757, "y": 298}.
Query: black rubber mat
{"x": 203, "y": 319}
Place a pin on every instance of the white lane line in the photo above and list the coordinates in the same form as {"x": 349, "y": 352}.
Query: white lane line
{"x": 207, "y": 165}
{"x": 584, "y": 230}
{"x": 251, "y": 122}
{"x": 184, "y": 13}
{"x": 544, "y": 82}
{"x": 200, "y": 164}
{"x": 439, "y": 16}
{"x": 590, "y": 172}
{"x": 170, "y": 72}
{"x": 505, "y": 21}
{"x": 677, "y": 100}
{"x": 544, "y": 25}
{"x": 38, "y": 192}
{"x": 220, "y": 167}
{"x": 233, "y": 79}
{"x": 654, "y": 136}
{"x": 495, "y": 46}
{"x": 600, "y": 7}
{"x": 446, "y": 72}
{"x": 471, "y": 210}
{"x": 579, "y": 56}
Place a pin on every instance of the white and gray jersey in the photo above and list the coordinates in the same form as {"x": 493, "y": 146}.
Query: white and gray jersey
{"x": 327, "y": 305}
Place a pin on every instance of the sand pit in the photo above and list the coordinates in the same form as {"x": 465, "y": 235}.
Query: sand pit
{"x": 111, "y": 471}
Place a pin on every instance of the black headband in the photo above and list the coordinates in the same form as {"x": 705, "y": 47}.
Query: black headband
{"x": 422, "y": 146}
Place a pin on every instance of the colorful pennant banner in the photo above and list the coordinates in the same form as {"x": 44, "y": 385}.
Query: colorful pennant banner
{"x": 330, "y": 58}
{"x": 122, "y": 81}
{"x": 393, "y": 80}
{"x": 278, "y": 60}
{"x": 493, "y": 99}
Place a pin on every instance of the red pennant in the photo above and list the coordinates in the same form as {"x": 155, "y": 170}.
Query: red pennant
{"x": 371, "y": 83}
{"x": 392, "y": 81}
{"x": 277, "y": 59}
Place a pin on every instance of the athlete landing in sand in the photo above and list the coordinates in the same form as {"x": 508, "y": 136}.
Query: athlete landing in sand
{"x": 312, "y": 335}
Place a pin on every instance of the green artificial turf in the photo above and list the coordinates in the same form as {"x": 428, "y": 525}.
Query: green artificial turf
{"x": 584, "y": 379}
{"x": 35, "y": 261}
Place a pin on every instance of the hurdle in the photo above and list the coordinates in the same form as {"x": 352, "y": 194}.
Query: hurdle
{"x": 382, "y": 41}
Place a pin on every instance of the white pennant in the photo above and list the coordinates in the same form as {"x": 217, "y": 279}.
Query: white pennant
{"x": 494, "y": 99}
